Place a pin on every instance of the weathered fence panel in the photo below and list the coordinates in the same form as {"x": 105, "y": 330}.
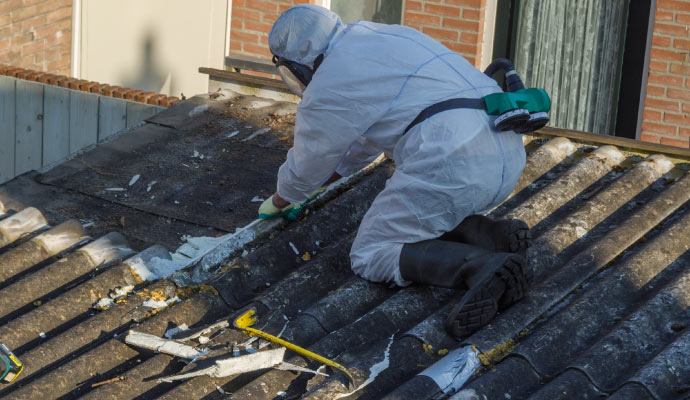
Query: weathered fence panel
{"x": 83, "y": 120}
{"x": 7, "y": 98}
{"x": 28, "y": 127}
{"x": 55, "y": 124}
{"x": 43, "y": 124}
{"x": 112, "y": 117}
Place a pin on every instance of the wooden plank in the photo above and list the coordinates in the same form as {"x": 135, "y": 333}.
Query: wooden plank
{"x": 615, "y": 141}
{"x": 56, "y": 104}
{"x": 243, "y": 78}
{"x": 83, "y": 120}
{"x": 250, "y": 63}
{"x": 29, "y": 126}
{"x": 137, "y": 112}
{"x": 112, "y": 116}
{"x": 7, "y": 139}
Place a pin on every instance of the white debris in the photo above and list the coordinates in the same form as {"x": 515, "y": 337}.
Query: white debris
{"x": 257, "y": 199}
{"x": 203, "y": 339}
{"x": 232, "y": 134}
{"x": 171, "y": 347}
{"x": 284, "y": 366}
{"x": 150, "y": 185}
{"x": 235, "y": 365}
{"x": 173, "y": 331}
{"x": 116, "y": 189}
{"x": 134, "y": 179}
{"x": 245, "y": 253}
{"x": 42, "y": 335}
{"x": 176, "y": 202}
{"x": 281, "y": 394}
{"x": 221, "y": 391}
{"x": 156, "y": 304}
{"x": 104, "y": 303}
{"x": 121, "y": 292}
{"x": 185, "y": 165}
{"x": 198, "y": 110}
{"x": 85, "y": 223}
{"x": 375, "y": 369}
{"x": 257, "y": 133}
{"x": 218, "y": 325}
{"x": 153, "y": 197}
{"x": 293, "y": 248}
{"x": 199, "y": 155}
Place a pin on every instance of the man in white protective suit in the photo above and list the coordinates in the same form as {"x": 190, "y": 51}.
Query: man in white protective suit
{"x": 362, "y": 85}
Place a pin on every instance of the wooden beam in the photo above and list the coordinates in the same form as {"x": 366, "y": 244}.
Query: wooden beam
{"x": 250, "y": 63}
{"x": 236, "y": 77}
{"x": 615, "y": 141}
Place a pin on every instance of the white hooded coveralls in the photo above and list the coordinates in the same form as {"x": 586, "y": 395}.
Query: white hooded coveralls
{"x": 373, "y": 81}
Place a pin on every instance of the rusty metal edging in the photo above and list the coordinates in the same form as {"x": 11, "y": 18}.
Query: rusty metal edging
{"x": 615, "y": 141}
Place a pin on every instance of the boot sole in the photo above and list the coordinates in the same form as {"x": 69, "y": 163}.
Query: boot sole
{"x": 479, "y": 307}
{"x": 519, "y": 237}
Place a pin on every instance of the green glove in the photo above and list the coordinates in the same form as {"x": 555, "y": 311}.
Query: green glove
{"x": 268, "y": 210}
{"x": 314, "y": 195}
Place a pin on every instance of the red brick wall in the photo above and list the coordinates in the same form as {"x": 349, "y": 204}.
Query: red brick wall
{"x": 458, "y": 24}
{"x": 36, "y": 34}
{"x": 251, "y": 22}
{"x": 666, "y": 117}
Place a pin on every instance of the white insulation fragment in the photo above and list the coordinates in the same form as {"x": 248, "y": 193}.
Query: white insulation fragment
{"x": 118, "y": 189}
{"x": 257, "y": 199}
{"x": 292, "y": 246}
{"x": 150, "y": 185}
{"x": 235, "y": 365}
{"x": 155, "y": 343}
{"x": 232, "y": 134}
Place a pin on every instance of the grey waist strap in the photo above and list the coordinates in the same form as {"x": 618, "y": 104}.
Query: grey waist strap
{"x": 477, "y": 104}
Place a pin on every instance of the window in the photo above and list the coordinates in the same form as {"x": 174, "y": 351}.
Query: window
{"x": 587, "y": 54}
{"x": 384, "y": 11}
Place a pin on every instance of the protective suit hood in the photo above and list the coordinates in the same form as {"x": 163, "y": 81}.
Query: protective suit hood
{"x": 303, "y": 32}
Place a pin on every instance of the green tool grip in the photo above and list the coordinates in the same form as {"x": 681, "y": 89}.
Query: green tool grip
{"x": 533, "y": 100}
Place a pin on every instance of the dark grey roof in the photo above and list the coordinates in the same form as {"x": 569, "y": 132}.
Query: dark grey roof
{"x": 607, "y": 316}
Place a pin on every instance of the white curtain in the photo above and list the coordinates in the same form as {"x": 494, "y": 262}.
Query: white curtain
{"x": 573, "y": 49}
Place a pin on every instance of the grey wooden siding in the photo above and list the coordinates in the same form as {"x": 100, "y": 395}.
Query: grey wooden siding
{"x": 43, "y": 124}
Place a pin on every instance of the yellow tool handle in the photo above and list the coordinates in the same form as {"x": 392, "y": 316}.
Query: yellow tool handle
{"x": 299, "y": 350}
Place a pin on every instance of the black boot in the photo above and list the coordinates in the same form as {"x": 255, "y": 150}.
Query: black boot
{"x": 492, "y": 281}
{"x": 506, "y": 235}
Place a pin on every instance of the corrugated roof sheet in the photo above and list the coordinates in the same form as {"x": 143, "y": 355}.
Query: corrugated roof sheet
{"x": 607, "y": 316}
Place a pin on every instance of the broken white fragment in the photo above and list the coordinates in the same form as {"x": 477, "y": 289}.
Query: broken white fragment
{"x": 221, "y": 391}
{"x": 245, "y": 253}
{"x": 233, "y": 134}
{"x": 208, "y": 329}
{"x": 257, "y": 199}
{"x": 150, "y": 185}
{"x": 203, "y": 339}
{"x": 104, "y": 303}
{"x": 176, "y": 202}
{"x": 374, "y": 370}
{"x": 257, "y": 133}
{"x": 173, "y": 331}
{"x": 155, "y": 343}
{"x": 160, "y": 303}
{"x": 293, "y": 248}
{"x": 235, "y": 365}
{"x": 284, "y": 366}
{"x": 116, "y": 189}
{"x": 42, "y": 335}
{"x": 134, "y": 179}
